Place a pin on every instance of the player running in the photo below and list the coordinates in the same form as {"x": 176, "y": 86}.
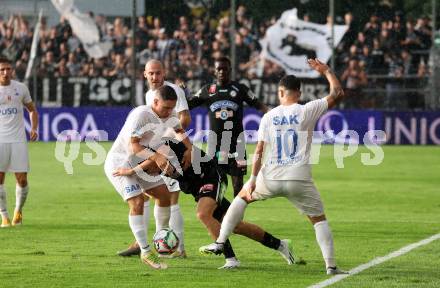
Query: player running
{"x": 207, "y": 183}
{"x": 286, "y": 133}
{"x": 145, "y": 126}
{"x": 14, "y": 156}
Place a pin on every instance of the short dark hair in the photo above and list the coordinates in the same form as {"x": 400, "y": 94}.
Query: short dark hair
{"x": 290, "y": 82}
{"x": 5, "y": 60}
{"x": 167, "y": 93}
{"x": 224, "y": 59}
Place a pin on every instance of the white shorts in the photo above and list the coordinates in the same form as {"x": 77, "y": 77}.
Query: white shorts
{"x": 172, "y": 184}
{"x": 14, "y": 157}
{"x": 129, "y": 186}
{"x": 301, "y": 193}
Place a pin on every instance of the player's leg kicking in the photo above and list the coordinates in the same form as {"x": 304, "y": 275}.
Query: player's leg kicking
{"x": 208, "y": 204}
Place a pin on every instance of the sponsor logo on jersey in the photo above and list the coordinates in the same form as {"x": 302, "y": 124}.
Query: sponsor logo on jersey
{"x": 223, "y": 104}
{"x": 283, "y": 120}
{"x": 233, "y": 93}
{"x": 212, "y": 89}
{"x": 9, "y": 111}
{"x": 206, "y": 188}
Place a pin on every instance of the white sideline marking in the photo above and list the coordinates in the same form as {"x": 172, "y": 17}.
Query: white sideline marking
{"x": 376, "y": 261}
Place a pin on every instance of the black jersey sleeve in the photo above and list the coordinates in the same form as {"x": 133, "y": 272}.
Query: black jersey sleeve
{"x": 249, "y": 97}
{"x": 199, "y": 98}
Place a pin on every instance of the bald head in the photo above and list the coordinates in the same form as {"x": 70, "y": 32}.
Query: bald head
{"x": 154, "y": 73}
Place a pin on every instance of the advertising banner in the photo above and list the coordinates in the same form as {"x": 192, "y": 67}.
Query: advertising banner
{"x": 336, "y": 126}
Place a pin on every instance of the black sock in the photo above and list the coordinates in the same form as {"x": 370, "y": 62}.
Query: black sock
{"x": 270, "y": 241}
{"x": 227, "y": 250}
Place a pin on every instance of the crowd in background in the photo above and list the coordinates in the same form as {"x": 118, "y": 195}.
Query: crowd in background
{"x": 392, "y": 46}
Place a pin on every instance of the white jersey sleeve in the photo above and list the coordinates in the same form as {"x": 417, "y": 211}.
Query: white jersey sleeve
{"x": 181, "y": 104}
{"x": 136, "y": 124}
{"x": 263, "y": 132}
{"x": 314, "y": 109}
{"x": 12, "y": 100}
{"x": 26, "y": 94}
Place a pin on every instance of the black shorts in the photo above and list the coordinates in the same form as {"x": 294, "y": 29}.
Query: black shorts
{"x": 213, "y": 187}
{"x": 235, "y": 167}
{"x": 221, "y": 209}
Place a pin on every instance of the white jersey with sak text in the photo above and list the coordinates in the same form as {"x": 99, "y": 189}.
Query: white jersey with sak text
{"x": 12, "y": 100}
{"x": 144, "y": 123}
{"x": 288, "y": 132}
{"x": 181, "y": 104}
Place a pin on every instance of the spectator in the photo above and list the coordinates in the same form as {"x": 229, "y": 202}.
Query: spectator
{"x": 72, "y": 65}
{"x": 377, "y": 60}
{"x": 355, "y": 79}
{"x": 62, "y": 70}
{"x": 119, "y": 69}
{"x": 148, "y": 53}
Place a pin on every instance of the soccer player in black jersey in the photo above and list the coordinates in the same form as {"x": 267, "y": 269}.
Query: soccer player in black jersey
{"x": 207, "y": 185}
{"x": 225, "y": 100}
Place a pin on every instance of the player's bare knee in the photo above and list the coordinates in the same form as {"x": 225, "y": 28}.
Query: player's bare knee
{"x": 136, "y": 205}
{"x": 174, "y": 199}
{"x": 203, "y": 216}
{"x": 21, "y": 179}
{"x": 316, "y": 219}
{"x": 22, "y": 182}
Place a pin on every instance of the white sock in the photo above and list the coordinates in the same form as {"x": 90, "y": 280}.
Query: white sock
{"x": 146, "y": 217}
{"x": 3, "y": 203}
{"x": 20, "y": 197}
{"x": 325, "y": 241}
{"x": 176, "y": 223}
{"x": 162, "y": 215}
{"x": 233, "y": 216}
{"x": 136, "y": 223}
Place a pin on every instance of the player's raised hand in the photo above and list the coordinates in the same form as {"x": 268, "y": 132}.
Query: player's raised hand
{"x": 318, "y": 65}
{"x": 33, "y": 135}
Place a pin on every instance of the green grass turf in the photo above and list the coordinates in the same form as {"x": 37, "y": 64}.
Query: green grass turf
{"x": 74, "y": 224}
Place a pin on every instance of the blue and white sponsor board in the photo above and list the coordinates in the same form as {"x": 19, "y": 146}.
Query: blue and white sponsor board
{"x": 104, "y": 123}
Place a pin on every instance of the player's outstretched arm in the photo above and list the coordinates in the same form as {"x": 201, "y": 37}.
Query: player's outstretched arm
{"x": 336, "y": 91}
{"x": 33, "y": 116}
{"x": 148, "y": 166}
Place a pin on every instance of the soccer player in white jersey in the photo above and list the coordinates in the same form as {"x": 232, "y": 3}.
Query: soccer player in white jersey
{"x": 139, "y": 139}
{"x": 286, "y": 134}
{"x": 155, "y": 73}
{"x": 14, "y": 155}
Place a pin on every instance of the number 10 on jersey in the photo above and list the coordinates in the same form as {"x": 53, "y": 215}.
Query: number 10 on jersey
{"x": 287, "y": 144}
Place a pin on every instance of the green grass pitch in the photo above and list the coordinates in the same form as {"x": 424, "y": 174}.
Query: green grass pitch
{"x": 74, "y": 224}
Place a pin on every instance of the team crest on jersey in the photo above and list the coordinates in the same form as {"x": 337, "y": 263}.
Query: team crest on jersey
{"x": 212, "y": 89}
{"x": 9, "y": 98}
{"x": 233, "y": 93}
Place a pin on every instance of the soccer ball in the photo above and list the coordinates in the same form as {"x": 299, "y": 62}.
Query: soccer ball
{"x": 165, "y": 241}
